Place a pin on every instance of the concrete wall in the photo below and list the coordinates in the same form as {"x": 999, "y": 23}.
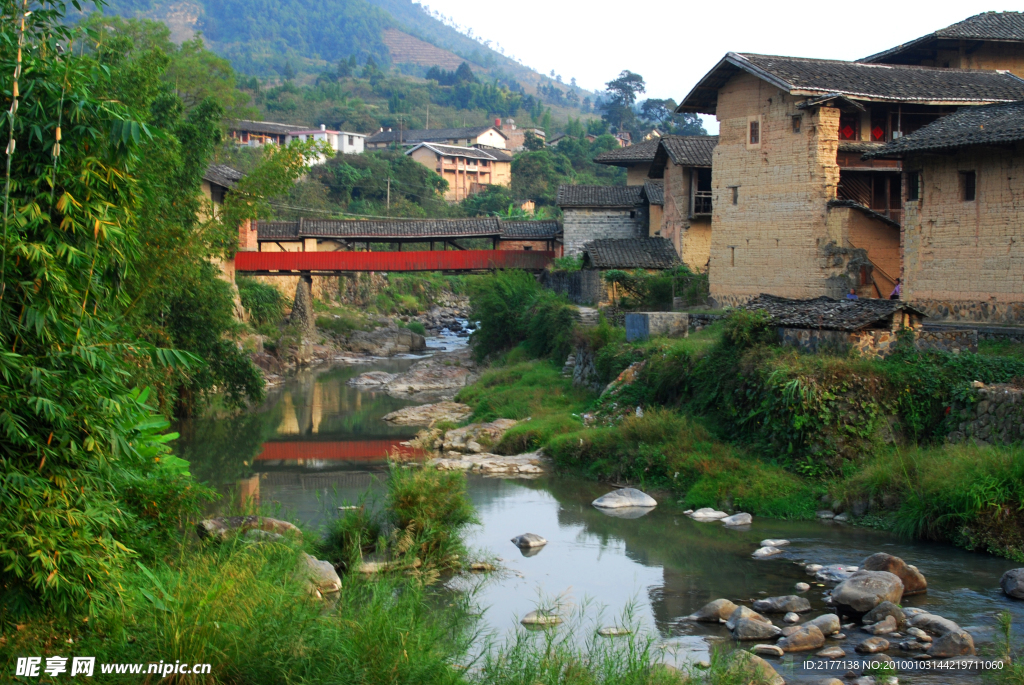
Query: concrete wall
{"x": 771, "y": 239}
{"x": 964, "y": 261}
{"x": 581, "y": 287}
{"x": 580, "y": 226}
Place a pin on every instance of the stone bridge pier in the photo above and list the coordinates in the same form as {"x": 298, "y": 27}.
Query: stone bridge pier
{"x": 302, "y": 309}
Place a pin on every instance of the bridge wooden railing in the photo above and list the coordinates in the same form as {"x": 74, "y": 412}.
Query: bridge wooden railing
{"x": 436, "y": 260}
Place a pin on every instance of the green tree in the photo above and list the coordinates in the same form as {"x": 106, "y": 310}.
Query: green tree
{"x": 622, "y": 94}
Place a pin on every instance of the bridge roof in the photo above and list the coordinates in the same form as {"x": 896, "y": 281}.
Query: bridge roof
{"x": 407, "y": 229}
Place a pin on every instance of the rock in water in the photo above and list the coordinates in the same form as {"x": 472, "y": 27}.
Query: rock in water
{"x": 791, "y": 617}
{"x": 741, "y": 613}
{"x": 613, "y": 631}
{"x": 541, "y": 618}
{"x": 833, "y": 573}
{"x": 741, "y": 519}
{"x": 713, "y": 612}
{"x": 865, "y": 590}
{"x": 873, "y": 645}
{"x": 936, "y": 625}
{"x": 427, "y": 414}
{"x": 528, "y": 540}
{"x": 222, "y": 528}
{"x": 765, "y": 552}
{"x": 953, "y": 643}
{"x": 774, "y": 543}
{"x": 914, "y": 582}
{"x": 828, "y": 624}
{"x": 831, "y": 653}
{"x": 624, "y": 497}
{"x": 919, "y": 634}
{"x": 750, "y": 629}
{"x": 1012, "y": 583}
{"x": 767, "y": 650}
{"x": 754, "y": 668}
{"x": 883, "y": 627}
{"x": 807, "y": 637}
{"x": 886, "y": 609}
{"x": 708, "y": 514}
{"x": 801, "y": 587}
{"x": 782, "y": 605}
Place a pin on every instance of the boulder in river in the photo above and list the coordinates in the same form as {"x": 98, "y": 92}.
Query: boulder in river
{"x": 222, "y": 527}
{"x": 914, "y": 582}
{"x": 933, "y": 623}
{"x": 742, "y": 612}
{"x": 885, "y": 609}
{"x": 613, "y": 631}
{"x": 541, "y": 618}
{"x": 833, "y": 573}
{"x": 873, "y": 645}
{"x": 806, "y": 638}
{"x": 883, "y": 627}
{"x": 828, "y": 624}
{"x": 767, "y": 650}
{"x": 437, "y": 378}
{"x": 371, "y": 379}
{"x": 713, "y": 612}
{"x": 919, "y": 635}
{"x": 428, "y": 414}
{"x": 386, "y": 342}
{"x": 791, "y": 617}
{"x": 624, "y": 497}
{"x": 1012, "y": 583}
{"x": 771, "y": 542}
{"x": 865, "y": 590}
{"x": 750, "y": 629}
{"x": 528, "y": 540}
{"x": 953, "y": 643}
{"x": 831, "y": 653}
{"x": 753, "y": 668}
{"x": 782, "y": 605}
{"x": 801, "y": 587}
{"x": 765, "y": 552}
{"x": 740, "y": 519}
{"x": 708, "y": 514}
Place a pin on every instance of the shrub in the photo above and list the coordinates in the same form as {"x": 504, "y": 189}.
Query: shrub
{"x": 417, "y": 327}
{"x": 264, "y": 302}
{"x": 748, "y": 327}
{"x": 567, "y": 264}
{"x": 431, "y": 507}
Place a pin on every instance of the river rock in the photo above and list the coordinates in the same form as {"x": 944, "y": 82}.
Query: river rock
{"x": 476, "y": 437}
{"x": 742, "y": 612}
{"x": 319, "y": 574}
{"x": 791, "y": 617}
{"x": 753, "y": 668}
{"x": 765, "y": 552}
{"x": 1012, "y": 583}
{"x": 883, "y": 627}
{"x": 953, "y": 643}
{"x": 613, "y": 631}
{"x": 770, "y": 542}
{"x": 828, "y": 624}
{"x": 825, "y": 514}
{"x": 932, "y": 623}
{"x": 708, "y": 514}
{"x": 713, "y": 612}
{"x": 886, "y": 609}
{"x": 371, "y": 379}
{"x": 801, "y": 587}
{"x": 831, "y": 653}
{"x": 865, "y": 590}
{"x": 750, "y": 629}
{"x": 257, "y": 535}
{"x": 834, "y": 573}
{"x": 914, "y": 582}
{"x": 434, "y": 379}
{"x": 782, "y": 605}
{"x": 919, "y": 634}
{"x": 912, "y": 646}
{"x": 767, "y": 650}
{"x": 529, "y": 540}
{"x": 873, "y": 645}
{"x": 624, "y": 497}
{"x": 741, "y": 519}
{"x": 222, "y": 527}
{"x": 789, "y": 630}
{"x": 807, "y": 637}
{"x": 527, "y": 465}
{"x": 386, "y": 342}
{"x": 541, "y": 618}
{"x": 429, "y": 414}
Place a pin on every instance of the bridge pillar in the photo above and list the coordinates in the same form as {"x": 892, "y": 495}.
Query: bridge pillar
{"x": 302, "y": 310}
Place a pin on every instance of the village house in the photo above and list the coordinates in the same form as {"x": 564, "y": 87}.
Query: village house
{"x": 343, "y": 142}
{"x": 516, "y": 137}
{"x": 601, "y": 212}
{"x": 489, "y": 135}
{"x": 796, "y": 210}
{"x": 646, "y": 254}
{"x": 468, "y": 170}
{"x": 635, "y": 159}
{"x": 540, "y": 236}
{"x": 991, "y": 40}
{"x": 257, "y": 133}
{"x": 218, "y": 180}
{"x": 683, "y": 165}
{"x": 963, "y": 254}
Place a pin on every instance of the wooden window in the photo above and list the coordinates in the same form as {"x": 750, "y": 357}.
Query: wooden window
{"x": 849, "y": 125}
{"x": 351, "y": 140}
{"x": 797, "y": 123}
{"x": 968, "y": 185}
{"x": 879, "y": 124}
{"x": 913, "y": 186}
{"x": 755, "y": 132}
{"x": 735, "y": 195}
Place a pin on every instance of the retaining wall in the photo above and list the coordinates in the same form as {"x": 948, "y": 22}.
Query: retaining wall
{"x": 996, "y": 416}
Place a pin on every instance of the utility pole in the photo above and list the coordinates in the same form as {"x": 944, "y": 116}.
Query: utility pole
{"x": 428, "y": 116}
{"x": 389, "y": 196}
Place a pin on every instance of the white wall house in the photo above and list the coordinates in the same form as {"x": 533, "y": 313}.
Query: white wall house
{"x": 345, "y": 142}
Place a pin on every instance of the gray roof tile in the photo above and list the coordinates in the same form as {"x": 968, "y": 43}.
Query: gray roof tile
{"x": 429, "y": 135}
{"x": 654, "y": 191}
{"x": 630, "y": 253}
{"x": 599, "y": 196}
{"x": 630, "y": 155}
{"x": 989, "y": 26}
{"x": 829, "y": 314}
{"x": 530, "y": 230}
{"x": 991, "y": 124}
{"x": 265, "y": 127}
{"x": 222, "y": 175}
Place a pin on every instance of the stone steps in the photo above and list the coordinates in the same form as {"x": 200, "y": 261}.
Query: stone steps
{"x": 588, "y": 316}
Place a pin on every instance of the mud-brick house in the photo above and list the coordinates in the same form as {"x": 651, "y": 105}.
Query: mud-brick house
{"x": 962, "y": 238}
{"x": 538, "y": 236}
{"x": 635, "y": 159}
{"x": 647, "y": 254}
{"x": 990, "y": 40}
{"x": 468, "y": 170}
{"x": 683, "y": 165}
{"x": 601, "y": 212}
{"x": 792, "y": 135}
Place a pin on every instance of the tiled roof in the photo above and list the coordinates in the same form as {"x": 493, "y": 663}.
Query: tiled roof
{"x": 690, "y": 150}
{"x": 598, "y": 196}
{"x": 386, "y": 229}
{"x": 500, "y": 154}
{"x": 855, "y": 80}
{"x": 629, "y": 155}
{"x": 265, "y": 127}
{"x": 456, "y": 151}
{"x": 630, "y": 253}
{"x": 988, "y": 26}
{"x": 430, "y": 135}
{"x": 992, "y": 124}
{"x": 530, "y": 230}
{"x": 866, "y": 211}
{"x": 654, "y": 191}
{"x": 829, "y": 314}
{"x": 222, "y": 175}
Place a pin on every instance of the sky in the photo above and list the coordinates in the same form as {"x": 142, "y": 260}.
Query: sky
{"x": 673, "y": 44}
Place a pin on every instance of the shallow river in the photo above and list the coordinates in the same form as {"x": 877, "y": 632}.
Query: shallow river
{"x": 317, "y": 442}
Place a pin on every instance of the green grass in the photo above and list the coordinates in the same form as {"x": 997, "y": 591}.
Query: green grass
{"x": 1001, "y": 348}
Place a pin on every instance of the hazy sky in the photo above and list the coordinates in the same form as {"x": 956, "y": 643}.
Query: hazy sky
{"x": 673, "y": 44}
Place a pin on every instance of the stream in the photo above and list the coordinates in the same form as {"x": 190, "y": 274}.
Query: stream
{"x": 317, "y": 442}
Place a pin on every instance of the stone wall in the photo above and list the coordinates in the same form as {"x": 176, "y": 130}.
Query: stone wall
{"x": 964, "y": 261}
{"x": 699, "y": 321}
{"x": 580, "y": 226}
{"x": 581, "y": 287}
{"x": 996, "y": 416}
{"x": 770, "y": 240}
{"x": 584, "y": 373}
{"x": 947, "y": 340}
{"x": 643, "y": 325}
{"x": 873, "y": 343}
